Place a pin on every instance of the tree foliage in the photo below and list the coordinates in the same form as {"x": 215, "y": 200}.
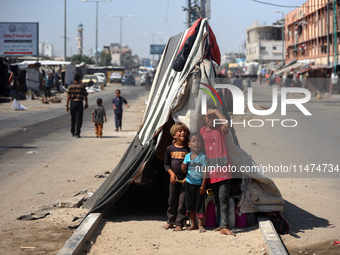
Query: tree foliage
{"x": 130, "y": 62}
{"x": 105, "y": 58}
{"x": 78, "y": 59}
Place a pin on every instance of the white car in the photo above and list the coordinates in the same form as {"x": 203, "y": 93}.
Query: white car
{"x": 101, "y": 78}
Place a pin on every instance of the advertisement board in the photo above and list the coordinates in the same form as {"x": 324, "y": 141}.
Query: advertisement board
{"x": 157, "y": 49}
{"x": 19, "y": 39}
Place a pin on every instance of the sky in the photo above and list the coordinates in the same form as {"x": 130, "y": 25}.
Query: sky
{"x": 153, "y": 21}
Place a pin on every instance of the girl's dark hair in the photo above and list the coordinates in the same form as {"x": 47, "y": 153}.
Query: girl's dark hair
{"x": 196, "y": 134}
{"x": 202, "y": 140}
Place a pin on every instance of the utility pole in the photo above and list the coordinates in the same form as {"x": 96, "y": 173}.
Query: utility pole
{"x": 260, "y": 60}
{"x": 197, "y": 9}
{"x": 335, "y": 37}
{"x": 189, "y": 13}
{"x": 327, "y": 9}
{"x": 65, "y": 30}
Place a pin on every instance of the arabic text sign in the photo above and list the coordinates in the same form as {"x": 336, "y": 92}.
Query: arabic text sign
{"x": 19, "y": 39}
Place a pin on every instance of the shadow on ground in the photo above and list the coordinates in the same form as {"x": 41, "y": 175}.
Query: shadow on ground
{"x": 300, "y": 220}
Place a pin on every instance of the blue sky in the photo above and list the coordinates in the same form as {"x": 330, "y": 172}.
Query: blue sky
{"x": 163, "y": 18}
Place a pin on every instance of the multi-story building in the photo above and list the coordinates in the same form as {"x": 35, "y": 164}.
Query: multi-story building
{"x": 114, "y": 49}
{"x": 264, "y": 43}
{"x": 45, "y": 50}
{"x": 312, "y": 33}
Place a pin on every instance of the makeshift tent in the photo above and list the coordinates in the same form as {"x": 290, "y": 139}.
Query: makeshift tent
{"x": 176, "y": 96}
{"x": 70, "y": 70}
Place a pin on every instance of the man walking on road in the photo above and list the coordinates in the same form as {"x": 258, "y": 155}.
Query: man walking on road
{"x": 76, "y": 94}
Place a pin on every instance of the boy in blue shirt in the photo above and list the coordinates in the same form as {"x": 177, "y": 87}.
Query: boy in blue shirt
{"x": 118, "y": 109}
{"x": 194, "y": 165}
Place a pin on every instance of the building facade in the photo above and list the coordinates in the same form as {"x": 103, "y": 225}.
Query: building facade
{"x": 312, "y": 33}
{"x": 45, "y": 50}
{"x": 264, "y": 43}
{"x": 117, "y": 57}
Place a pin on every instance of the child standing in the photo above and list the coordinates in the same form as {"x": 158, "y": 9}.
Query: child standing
{"x": 194, "y": 165}
{"x": 216, "y": 150}
{"x": 98, "y": 115}
{"x": 173, "y": 160}
{"x": 118, "y": 109}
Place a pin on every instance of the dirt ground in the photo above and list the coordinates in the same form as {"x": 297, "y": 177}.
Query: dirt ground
{"x": 35, "y": 178}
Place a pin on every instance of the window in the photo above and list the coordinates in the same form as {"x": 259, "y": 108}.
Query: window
{"x": 274, "y": 47}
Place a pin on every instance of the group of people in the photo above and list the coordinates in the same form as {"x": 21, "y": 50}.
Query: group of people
{"x": 186, "y": 161}
{"x": 77, "y": 94}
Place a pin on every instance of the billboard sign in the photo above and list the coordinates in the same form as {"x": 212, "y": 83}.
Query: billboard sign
{"x": 19, "y": 39}
{"x": 157, "y": 49}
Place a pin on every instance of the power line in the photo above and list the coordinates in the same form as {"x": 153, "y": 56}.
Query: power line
{"x": 277, "y": 5}
{"x": 288, "y": 6}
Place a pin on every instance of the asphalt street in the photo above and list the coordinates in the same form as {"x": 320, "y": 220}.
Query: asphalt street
{"x": 19, "y": 128}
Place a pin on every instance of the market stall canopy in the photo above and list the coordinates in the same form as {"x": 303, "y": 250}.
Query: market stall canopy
{"x": 25, "y": 64}
{"x": 291, "y": 67}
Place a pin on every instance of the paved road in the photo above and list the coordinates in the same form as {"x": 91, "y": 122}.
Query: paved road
{"x": 313, "y": 140}
{"x": 20, "y": 127}
{"x": 311, "y": 198}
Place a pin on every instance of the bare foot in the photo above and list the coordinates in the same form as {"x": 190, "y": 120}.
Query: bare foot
{"x": 178, "y": 228}
{"x": 167, "y": 226}
{"x": 202, "y": 229}
{"x": 217, "y": 229}
{"x": 226, "y": 231}
{"x": 192, "y": 227}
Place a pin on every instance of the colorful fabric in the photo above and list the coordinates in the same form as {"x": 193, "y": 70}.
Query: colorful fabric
{"x": 216, "y": 150}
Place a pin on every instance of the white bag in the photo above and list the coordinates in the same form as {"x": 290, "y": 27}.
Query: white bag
{"x": 17, "y": 106}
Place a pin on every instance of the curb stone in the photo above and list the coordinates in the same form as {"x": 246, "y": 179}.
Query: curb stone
{"x": 77, "y": 241}
{"x": 272, "y": 240}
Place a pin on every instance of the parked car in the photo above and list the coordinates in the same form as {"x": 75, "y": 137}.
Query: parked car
{"x": 143, "y": 80}
{"x": 128, "y": 79}
{"x": 116, "y": 77}
{"x": 101, "y": 78}
{"x": 89, "y": 77}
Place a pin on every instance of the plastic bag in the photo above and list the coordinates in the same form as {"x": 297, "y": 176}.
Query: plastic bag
{"x": 17, "y": 106}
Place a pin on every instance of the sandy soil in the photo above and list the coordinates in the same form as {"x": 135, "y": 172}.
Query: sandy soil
{"x": 130, "y": 235}
{"x": 37, "y": 176}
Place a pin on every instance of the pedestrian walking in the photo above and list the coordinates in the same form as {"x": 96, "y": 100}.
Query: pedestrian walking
{"x": 48, "y": 85}
{"x": 76, "y": 94}
{"x": 98, "y": 117}
{"x": 118, "y": 109}
{"x": 237, "y": 82}
{"x": 148, "y": 79}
